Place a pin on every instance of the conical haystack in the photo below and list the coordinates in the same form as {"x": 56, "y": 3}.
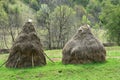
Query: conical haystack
{"x": 83, "y": 48}
{"x": 26, "y": 50}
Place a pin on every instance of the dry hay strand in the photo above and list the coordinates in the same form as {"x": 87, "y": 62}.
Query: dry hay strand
{"x": 27, "y": 49}
{"x": 83, "y": 47}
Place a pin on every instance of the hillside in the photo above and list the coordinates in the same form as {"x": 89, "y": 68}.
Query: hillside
{"x": 57, "y": 21}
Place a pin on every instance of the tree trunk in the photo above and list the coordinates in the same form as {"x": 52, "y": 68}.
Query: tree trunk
{"x": 11, "y": 33}
{"x": 4, "y": 36}
{"x": 49, "y": 39}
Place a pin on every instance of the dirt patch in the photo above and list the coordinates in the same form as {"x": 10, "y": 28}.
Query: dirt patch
{"x": 56, "y": 59}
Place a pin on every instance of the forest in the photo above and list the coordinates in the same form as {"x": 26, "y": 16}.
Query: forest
{"x": 56, "y": 21}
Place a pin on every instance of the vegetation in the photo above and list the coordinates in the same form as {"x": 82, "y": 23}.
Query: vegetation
{"x": 108, "y": 70}
{"x": 59, "y": 19}
{"x": 110, "y": 18}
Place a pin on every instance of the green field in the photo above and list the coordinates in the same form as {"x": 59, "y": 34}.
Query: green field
{"x": 109, "y": 70}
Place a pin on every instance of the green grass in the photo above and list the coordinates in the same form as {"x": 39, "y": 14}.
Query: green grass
{"x": 109, "y": 70}
{"x": 113, "y": 52}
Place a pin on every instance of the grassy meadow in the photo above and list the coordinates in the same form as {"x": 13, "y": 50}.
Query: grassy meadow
{"x": 109, "y": 70}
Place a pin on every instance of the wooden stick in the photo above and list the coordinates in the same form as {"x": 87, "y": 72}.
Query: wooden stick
{"x": 7, "y": 60}
{"x": 17, "y": 60}
{"x": 32, "y": 60}
{"x": 48, "y": 57}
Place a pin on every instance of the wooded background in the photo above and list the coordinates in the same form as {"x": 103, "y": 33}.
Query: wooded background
{"x": 56, "y": 21}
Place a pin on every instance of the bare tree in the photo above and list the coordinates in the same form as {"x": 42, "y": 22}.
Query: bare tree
{"x": 44, "y": 21}
{"x": 62, "y": 16}
{"x": 14, "y": 21}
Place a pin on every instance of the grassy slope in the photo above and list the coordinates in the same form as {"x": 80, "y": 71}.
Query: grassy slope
{"x": 108, "y": 70}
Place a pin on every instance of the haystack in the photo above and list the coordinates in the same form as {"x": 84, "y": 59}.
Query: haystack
{"x": 83, "y": 47}
{"x": 26, "y": 50}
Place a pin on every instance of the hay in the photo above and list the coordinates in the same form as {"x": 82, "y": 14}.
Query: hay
{"x": 83, "y": 47}
{"x": 26, "y": 50}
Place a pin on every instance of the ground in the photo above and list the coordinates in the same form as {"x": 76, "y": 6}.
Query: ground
{"x": 108, "y": 70}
